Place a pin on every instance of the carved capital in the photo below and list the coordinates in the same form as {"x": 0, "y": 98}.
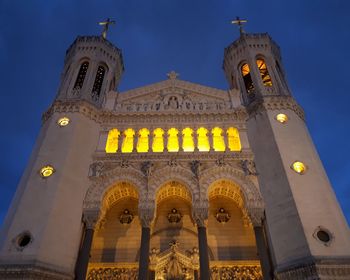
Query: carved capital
{"x": 256, "y": 216}
{"x": 90, "y": 218}
{"x": 146, "y": 213}
{"x": 200, "y": 213}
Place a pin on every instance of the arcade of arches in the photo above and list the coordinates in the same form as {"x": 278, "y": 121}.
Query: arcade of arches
{"x": 168, "y": 244}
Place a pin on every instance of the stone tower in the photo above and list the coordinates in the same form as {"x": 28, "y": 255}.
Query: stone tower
{"x": 174, "y": 180}
{"x": 47, "y": 211}
{"x": 307, "y": 231}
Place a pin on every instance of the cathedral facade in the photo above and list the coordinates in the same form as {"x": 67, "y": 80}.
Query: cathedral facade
{"x": 174, "y": 180}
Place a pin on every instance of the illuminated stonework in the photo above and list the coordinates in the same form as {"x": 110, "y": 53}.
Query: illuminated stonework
{"x": 299, "y": 167}
{"x": 47, "y": 171}
{"x": 63, "y": 121}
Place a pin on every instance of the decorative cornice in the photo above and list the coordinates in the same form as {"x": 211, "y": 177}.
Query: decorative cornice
{"x": 328, "y": 268}
{"x": 32, "y": 271}
{"x": 109, "y": 118}
{"x": 178, "y": 156}
{"x": 270, "y": 103}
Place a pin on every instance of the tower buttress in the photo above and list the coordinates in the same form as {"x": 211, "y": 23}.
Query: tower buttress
{"x": 92, "y": 67}
{"x": 306, "y": 227}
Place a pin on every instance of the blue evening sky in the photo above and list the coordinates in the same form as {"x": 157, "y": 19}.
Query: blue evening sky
{"x": 187, "y": 36}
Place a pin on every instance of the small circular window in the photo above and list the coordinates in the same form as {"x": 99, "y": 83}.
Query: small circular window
{"x": 63, "y": 121}
{"x": 282, "y": 118}
{"x": 23, "y": 240}
{"x": 299, "y": 167}
{"x": 323, "y": 235}
{"x": 46, "y": 171}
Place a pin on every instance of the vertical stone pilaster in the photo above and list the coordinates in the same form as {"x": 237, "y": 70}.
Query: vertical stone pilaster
{"x": 146, "y": 215}
{"x": 89, "y": 219}
{"x": 200, "y": 216}
{"x": 120, "y": 141}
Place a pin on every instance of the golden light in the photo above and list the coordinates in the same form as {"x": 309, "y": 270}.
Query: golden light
{"x": 63, "y": 121}
{"x": 158, "y": 142}
{"x": 299, "y": 167}
{"x": 282, "y": 118}
{"x": 47, "y": 171}
{"x": 112, "y": 141}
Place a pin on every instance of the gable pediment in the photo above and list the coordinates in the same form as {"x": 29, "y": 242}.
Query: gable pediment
{"x": 173, "y": 95}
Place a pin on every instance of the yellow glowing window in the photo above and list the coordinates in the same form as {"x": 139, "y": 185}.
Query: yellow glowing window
{"x": 282, "y": 118}
{"x": 202, "y": 139}
{"x": 218, "y": 139}
{"x": 128, "y": 141}
{"x": 187, "y": 140}
{"x": 233, "y": 141}
{"x": 158, "y": 142}
{"x": 247, "y": 78}
{"x": 264, "y": 73}
{"x": 299, "y": 167}
{"x": 173, "y": 141}
{"x": 142, "y": 143}
{"x": 112, "y": 141}
{"x": 47, "y": 171}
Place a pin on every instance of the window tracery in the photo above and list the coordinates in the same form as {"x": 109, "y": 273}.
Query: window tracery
{"x": 264, "y": 73}
{"x": 247, "y": 78}
{"x": 81, "y": 76}
{"x": 96, "y": 89}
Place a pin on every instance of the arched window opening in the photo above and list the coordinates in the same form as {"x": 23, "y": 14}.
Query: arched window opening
{"x": 158, "y": 142}
{"x": 202, "y": 140}
{"x": 96, "y": 89}
{"x": 218, "y": 140}
{"x": 112, "y": 141}
{"x": 247, "y": 78}
{"x": 173, "y": 141}
{"x": 187, "y": 140}
{"x": 234, "y": 143}
{"x": 264, "y": 73}
{"x": 142, "y": 143}
{"x": 128, "y": 141}
{"x": 81, "y": 75}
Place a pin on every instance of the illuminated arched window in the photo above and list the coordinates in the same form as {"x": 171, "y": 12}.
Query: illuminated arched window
{"x": 96, "y": 89}
{"x": 173, "y": 141}
{"x": 187, "y": 140}
{"x": 81, "y": 75}
{"x": 264, "y": 73}
{"x": 202, "y": 140}
{"x": 158, "y": 142}
{"x": 142, "y": 143}
{"x": 233, "y": 141}
{"x": 128, "y": 141}
{"x": 218, "y": 139}
{"x": 247, "y": 78}
{"x": 112, "y": 141}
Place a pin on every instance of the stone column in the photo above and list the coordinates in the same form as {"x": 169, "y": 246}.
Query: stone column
{"x": 262, "y": 252}
{"x": 210, "y": 139}
{"x": 261, "y": 245}
{"x": 146, "y": 216}
{"x": 200, "y": 216}
{"x": 120, "y": 141}
{"x": 180, "y": 139}
{"x": 135, "y": 140}
{"x": 150, "y": 141}
{"x": 89, "y": 219}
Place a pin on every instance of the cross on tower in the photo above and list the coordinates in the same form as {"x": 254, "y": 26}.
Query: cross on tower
{"x": 105, "y": 25}
{"x": 240, "y": 23}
